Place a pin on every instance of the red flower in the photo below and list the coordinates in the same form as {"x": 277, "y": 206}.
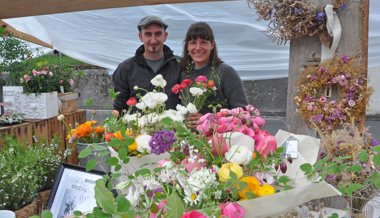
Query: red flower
{"x": 211, "y": 83}
{"x": 131, "y": 102}
{"x": 193, "y": 214}
{"x": 176, "y": 88}
{"x": 187, "y": 81}
{"x": 108, "y": 136}
{"x": 183, "y": 85}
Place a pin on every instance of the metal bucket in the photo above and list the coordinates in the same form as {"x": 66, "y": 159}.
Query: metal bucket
{"x": 100, "y": 165}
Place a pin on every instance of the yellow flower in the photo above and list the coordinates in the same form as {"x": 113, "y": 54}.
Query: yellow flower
{"x": 265, "y": 190}
{"x": 224, "y": 172}
{"x": 253, "y": 186}
{"x": 133, "y": 147}
{"x": 68, "y": 136}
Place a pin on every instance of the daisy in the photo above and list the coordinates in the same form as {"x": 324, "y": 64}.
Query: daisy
{"x": 191, "y": 197}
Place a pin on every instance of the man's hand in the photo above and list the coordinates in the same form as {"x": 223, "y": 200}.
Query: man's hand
{"x": 193, "y": 120}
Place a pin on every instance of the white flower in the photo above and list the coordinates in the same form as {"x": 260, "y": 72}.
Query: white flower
{"x": 143, "y": 143}
{"x": 191, "y": 198}
{"x": 135, "y": 87}
{"x": 141, "y": 105}
{"x": 159, "y": 97}
{"x": 158, "y": 81}
{"x": 191, "y": 108}
{"x": 151, "y": 183}
{"x": 196, "y": 91}
{"x": 152, "y": 118}
{"x": 181, "y": 109}
{"x": 133, "y": 196}
{"x": 123, "y": 186}
{"x": 201, "y": 179}
{"x": 239, "y": 154}
{"x": 127, "y": 118}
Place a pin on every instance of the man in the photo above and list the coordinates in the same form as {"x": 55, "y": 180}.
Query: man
{"x": 151, "y": 58}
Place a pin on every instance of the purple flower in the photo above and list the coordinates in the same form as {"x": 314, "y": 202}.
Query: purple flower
{"x": 347, "y": 74}
{"x": 334, "y": 80}
{"x": 275, "y": 6}
{"x": 186, "y": 149}
{"x": 360, "y": 81}
{"x": 320, "y": 16}
{"x": 153, "y": 192}
{"x": 301, "y": 11}
{"x": 323, "y": 69}
{"x": 295, "y": 11}
{"x": 374, "y": 142}
{"x": 340, "y": 141}
{"x": 313, "y": 77}
{"x": 344, "y": 5}
{"x": 329, "y": 127}
{"x": 345, "y": 58}
{"x": 352, "y": 133}
{"x": 161, "y": 141}
{"x": 269, "y": 12}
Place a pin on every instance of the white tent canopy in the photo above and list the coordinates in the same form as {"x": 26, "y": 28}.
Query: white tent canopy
{"x": 107, "y": 37}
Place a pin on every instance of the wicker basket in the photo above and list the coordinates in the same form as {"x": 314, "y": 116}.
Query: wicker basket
{"x": 36, "y": 207}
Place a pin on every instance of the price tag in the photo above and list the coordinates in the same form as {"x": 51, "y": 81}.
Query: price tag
{"x": 292, "y": 148}
{"x": 62, "y": 89}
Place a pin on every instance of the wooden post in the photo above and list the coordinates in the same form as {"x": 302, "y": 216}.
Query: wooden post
{"x": 306, "y": 50}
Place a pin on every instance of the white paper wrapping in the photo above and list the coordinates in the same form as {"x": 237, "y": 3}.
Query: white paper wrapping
{"x": 304, "y": 189}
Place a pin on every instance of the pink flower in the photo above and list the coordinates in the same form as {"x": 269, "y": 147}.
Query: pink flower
{"x": 35, "y": 73}
{"x": 159, "y": 206}
{"x": 315, "y": 107}
{"x": 60, "y": 81}
{"x": 43, "y": 72}
{"x": 265, "y": 142}
{"x": 55, "y": 65}
{"x": 310, "y": 107}
{"x": 246, "y": 115}
{"x": 259, "y": 121}
{"x": 189, "y": 166}
{"x": 161, "y": 162}
{"x": 71, "y": 82}
{"x": 236, "y": 111}
{"x": 204, "y": 118}
{"x": 250, "y": 108}
{"x": 47, "y": 67}
{"x": 222, "y": 127}
{"x": 322, "y": 99}
{"x": 21, "y": 80}
{"x": 334, "y": 80}
{"x": 50, "y": 74}
{"x": 27, "y": 78}
{"x": 193, "y": 214}
{"x": 201, "y": 79}
{"x": 351, "y": 103}
{"x": 225, "y": 119}
{"x": 246, "y": 131}
{"x": 204, "y": 128}
{"x": 219, "y": 145}
{"x": 232, "y": 210}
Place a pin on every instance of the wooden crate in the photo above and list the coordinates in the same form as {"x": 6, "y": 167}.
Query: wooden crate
{"x": 22, "y": 131}
{"x": 39, "y": 128}
{"x": 69, "y": 104}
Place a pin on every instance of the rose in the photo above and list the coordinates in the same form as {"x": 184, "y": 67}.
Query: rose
{"x": 193, "y": 214}
{"x": 176, "y": 88}
{"x": 211, "y": 83}
{"x": 115, "y": 113}
{"x": 183, "y": 86}
{"x": 201, "y": 79}
{"x": 143, "y": 143}
{"x": 239, "y": 154}
{"x": 131, "y": 102}
{"x": 236, "y": 111}
{"x": 231, "y": 210}
{"x": 265, "y": 142}
{"x": 224, "y": 171}
{"x": 246, "y": 131}
{"x": 195, "y": 91}
{"x": 259, "y": 121}
{"x": 191, "y": 108}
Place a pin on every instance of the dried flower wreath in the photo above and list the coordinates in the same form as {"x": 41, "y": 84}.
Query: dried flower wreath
{"x": 342, "y": 74}
{"x": 290, "y": 19}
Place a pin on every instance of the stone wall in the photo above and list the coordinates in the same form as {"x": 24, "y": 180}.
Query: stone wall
{"x": 267, "y": 95}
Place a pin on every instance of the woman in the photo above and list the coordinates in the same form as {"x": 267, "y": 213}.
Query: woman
{"x": 200, "y": 58}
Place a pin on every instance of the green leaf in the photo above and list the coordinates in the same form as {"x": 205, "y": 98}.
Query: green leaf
{"x": 356, "y": 168}
{"x": 131, "y": 177}
{"x": 376, "y": 148}
{"x": 102, "y": 193}
{"x": 157, "y": 170}
{"x": 85, "y": 152}
{"x": 131, "y": 213}
{"x": 242, "y": 185}
{"x": 142, "y": 172}
{"x": 106, "y": 176}
{"x": 363, "y": 157}
{"x": 377, "y": 184}
{"x": 180, "y": 129}
{"x": 376, "y": 159}
{"x": 100, "y": 214}
{"x": 253, "y": 162}
{"x": 126, "y": 160}
{"x": 112, "y": 161}
{"x": 99, "y": 147}
{"x": 174, "y": 207}
{"x": 208, "y": 211}
{"x": 167, "y": 121}
{"x": 110, "y": 185}
{"x": 115, "y": 175}
{"x": 104, "y": 153}
{"x": 284, "y": 179}
{"x": 122, "y": 153}
{"x": 250, "y": 195}
{"x": 306, "y": 167}
{"x": 288, "y": 187}
{"x": 280, "y": 150}
{"x": 47, "y": 214}
{"x": 128, "y": 141}
{"x": 115, "y": 142}
{"x": 233, "y": 176}
{"x": 117, "y": 167}
{"x": 77, "y": 213}
{"x": 123, "y": 204}
{"x": 90, "y": 164}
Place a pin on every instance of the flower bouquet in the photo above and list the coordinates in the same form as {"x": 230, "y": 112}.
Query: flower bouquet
{"x": 9, "y": 117}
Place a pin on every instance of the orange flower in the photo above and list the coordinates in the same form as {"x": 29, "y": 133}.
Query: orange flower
{"x": 133, "y": 147}
{"x": 119, "y": 136}
{"x": 253, "y": 186}
{"x": 94, "y": 122}
{"x": 99, "y": 130}
{"x": 83, "y": 130}
{"x": 128, "y": 133}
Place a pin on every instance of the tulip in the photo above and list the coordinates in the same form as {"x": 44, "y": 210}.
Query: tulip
{"x": 219, "y": 145}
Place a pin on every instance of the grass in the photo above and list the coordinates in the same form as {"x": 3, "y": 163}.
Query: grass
{"x": 53, "y": 58}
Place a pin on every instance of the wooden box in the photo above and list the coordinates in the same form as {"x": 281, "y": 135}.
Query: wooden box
{"x": 69, "y": 102}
